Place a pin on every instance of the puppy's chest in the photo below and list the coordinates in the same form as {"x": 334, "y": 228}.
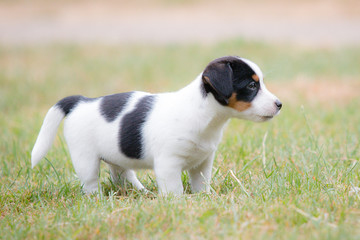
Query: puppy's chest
{"x": 195, "y": 151}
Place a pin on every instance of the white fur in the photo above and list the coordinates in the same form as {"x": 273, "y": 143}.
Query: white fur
{"x": 47, "y": 134}
{"x": 182, "y": 132}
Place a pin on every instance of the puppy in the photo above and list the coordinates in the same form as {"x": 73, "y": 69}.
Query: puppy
{"x": 167, "y": 132}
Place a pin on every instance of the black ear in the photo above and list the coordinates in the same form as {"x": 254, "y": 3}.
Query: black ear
{"x": 217, "y": 78}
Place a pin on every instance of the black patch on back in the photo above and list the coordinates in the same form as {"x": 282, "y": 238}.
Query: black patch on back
{"x": 130, "y": 134}
{"x": 69, "y": 103}
{"x": 112, "y": 105}
{"x": 228, "y": 75}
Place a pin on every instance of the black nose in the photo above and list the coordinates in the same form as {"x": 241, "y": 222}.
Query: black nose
{"x": 278, "y": 104}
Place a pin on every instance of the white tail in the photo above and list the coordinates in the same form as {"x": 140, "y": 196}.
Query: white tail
{"x": 47, "y": 134}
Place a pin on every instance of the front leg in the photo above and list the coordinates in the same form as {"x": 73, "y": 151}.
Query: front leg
{"x": 168, "y": 176}
{"x": 200, "y": 176}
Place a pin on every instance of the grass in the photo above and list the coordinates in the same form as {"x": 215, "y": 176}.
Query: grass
{"x": 291, "y": 178}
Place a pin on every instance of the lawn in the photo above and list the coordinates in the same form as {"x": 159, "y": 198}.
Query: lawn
{"x": 291, "y": 178}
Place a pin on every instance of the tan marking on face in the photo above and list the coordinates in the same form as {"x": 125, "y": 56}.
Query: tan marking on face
{"x": 255, "y": 77}
{"x": 238, "y": 105}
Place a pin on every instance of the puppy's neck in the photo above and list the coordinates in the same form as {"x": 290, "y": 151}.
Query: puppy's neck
{"x": 210, "y": 115}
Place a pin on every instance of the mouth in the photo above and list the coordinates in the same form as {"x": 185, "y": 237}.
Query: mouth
{"x": 268, "y": 117}
{"x": 265, "y": 118}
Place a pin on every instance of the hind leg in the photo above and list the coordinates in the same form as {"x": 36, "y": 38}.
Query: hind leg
{"x": 119, "y": 175}
{"x": 87, "y": 166}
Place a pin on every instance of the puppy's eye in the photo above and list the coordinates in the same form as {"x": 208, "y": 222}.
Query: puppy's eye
{"x": 251, "y": 86}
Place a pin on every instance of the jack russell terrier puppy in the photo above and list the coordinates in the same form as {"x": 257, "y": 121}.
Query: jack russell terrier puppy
{"x": 167, "y": 132}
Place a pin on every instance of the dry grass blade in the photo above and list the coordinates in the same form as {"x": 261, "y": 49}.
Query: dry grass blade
{"x": 264, "y": 150}
{"x": 239, "y": 182}
{"x": 311, "y": 217}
